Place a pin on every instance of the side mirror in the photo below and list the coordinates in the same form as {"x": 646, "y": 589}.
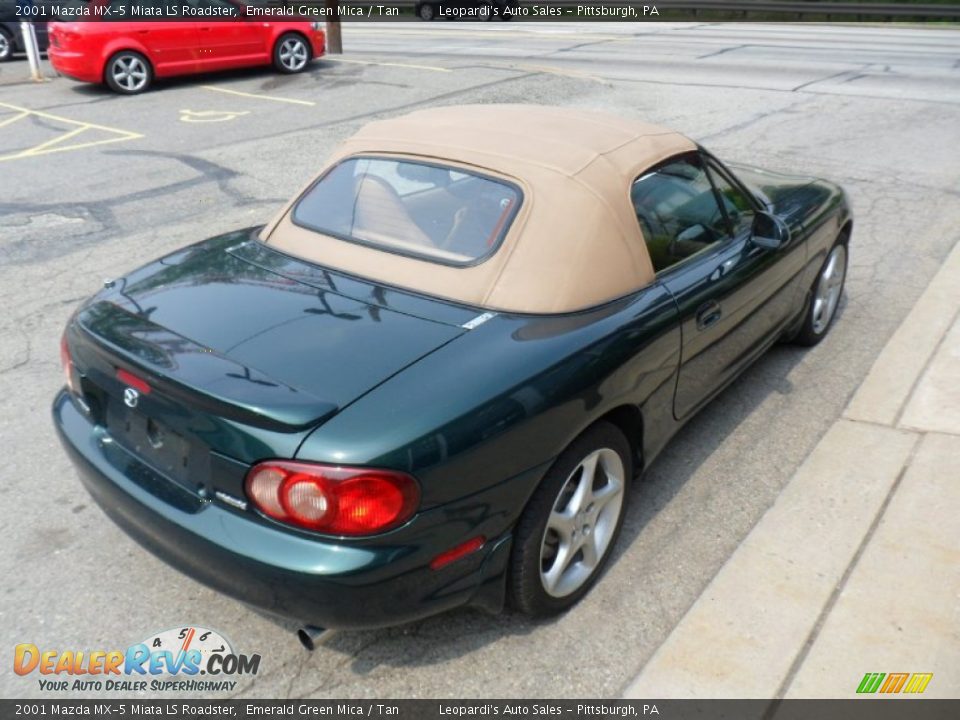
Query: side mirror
{"x": 769, "y": 231}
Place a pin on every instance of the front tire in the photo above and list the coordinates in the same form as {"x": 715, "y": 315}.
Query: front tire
{"x": 427, "y": 12}
{"x": 825, "y": 296}
{"x": 128, "y": 73}
{"x": 6, "y": 45}
{"x": 566, "y": 533}
{"x": 291, "y": 53}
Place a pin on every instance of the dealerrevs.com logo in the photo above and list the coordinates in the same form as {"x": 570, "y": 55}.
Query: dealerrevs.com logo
{"x": 169, "y": 661}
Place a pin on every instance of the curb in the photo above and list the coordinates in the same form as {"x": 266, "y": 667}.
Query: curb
{"x": 753, "y": 630}
{"x": 883, "y": 394}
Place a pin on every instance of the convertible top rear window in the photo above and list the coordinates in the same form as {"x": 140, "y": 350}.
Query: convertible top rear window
{"x": 436, "y": 212}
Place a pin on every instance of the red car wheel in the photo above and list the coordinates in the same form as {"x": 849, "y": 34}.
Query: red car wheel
{"x": 291, "y": 53}
{"x": 128, "y": 73}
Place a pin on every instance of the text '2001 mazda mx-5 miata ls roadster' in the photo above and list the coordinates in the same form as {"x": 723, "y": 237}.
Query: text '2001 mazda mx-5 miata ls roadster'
{"x": 430, "y": 380}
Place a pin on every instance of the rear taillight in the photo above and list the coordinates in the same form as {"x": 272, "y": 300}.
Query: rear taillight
{"x": 67, "y": 362}
{"x": 59, "y": 36}
{"x": 330, "y": 499}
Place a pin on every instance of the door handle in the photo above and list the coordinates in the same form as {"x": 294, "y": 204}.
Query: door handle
{"x": 709, "y": 314}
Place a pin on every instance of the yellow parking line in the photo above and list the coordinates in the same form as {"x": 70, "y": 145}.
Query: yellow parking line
{"x": 208, "y": 116}
{"x": 78, "y": 146}
{"x": 38, "y": 149}
{"x": 55, "y": 144}
{"x": 257, "y": 96}
{"x": 549, "y": 69}
{"x": 129, "y": 135}
{"x": 13, "y": 119}
{"x": 31, "y": 152}
{"x": 434, "y": 68}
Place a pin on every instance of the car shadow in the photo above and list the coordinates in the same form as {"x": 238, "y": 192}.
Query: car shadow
{"x": 703, "y": 434}
{"x": 319, "y": 72}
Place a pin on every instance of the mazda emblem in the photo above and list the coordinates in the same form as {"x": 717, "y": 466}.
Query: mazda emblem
{"x": 131, "y": 397}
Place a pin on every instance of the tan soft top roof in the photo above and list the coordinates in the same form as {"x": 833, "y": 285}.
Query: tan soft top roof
{"x": 575, "y": 242}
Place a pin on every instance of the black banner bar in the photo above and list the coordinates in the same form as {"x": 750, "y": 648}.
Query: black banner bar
{"x": 483, "y": 10}
{"x": 873, "y": 708}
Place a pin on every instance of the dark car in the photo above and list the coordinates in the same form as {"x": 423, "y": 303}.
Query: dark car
{"x": 11, "y": 37}
{"x": 475, "y": 10}
{"x": 431, "y": 379}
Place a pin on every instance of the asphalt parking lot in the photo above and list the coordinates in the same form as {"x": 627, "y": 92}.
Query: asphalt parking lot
{"x": 92, "y": 184}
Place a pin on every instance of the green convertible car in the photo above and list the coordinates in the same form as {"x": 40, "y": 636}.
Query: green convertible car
{"x": 431, "y": 379}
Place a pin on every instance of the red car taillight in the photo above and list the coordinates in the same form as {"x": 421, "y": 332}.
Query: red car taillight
{"x": 59, "y": 37}
{"x": 67, "y": 362}
{"x": 330, "y": 499}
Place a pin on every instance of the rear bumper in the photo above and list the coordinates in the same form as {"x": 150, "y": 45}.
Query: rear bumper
{"x": 315, "y": 581}
{"x": 78, "y": 65}
{"x": 318, "y": 43}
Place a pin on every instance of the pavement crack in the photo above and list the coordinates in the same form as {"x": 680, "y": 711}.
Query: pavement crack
{"x": 207, "y": 170}
{"x": 828, "y": 77}
{"x": 752, "y": 120}
{"x": 723, "y": 51}
{"x": 580, "y": 46}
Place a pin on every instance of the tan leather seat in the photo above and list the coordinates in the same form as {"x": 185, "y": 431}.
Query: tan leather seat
{"x": 381, "y": 215}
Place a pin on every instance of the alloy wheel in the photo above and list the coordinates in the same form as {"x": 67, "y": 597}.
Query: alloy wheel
{"x": 293, "y": 54}
{"x": 130, "y": 73}
{"x": 582, "y": 523}
{"x": 5, "y": 47}
{"x": 829, "y": 286}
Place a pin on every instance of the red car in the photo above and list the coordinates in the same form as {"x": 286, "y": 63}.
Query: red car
{"x": 128, "y": 55}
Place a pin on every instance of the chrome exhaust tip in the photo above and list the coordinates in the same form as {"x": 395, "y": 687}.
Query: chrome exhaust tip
{"x": 310, "y": 636}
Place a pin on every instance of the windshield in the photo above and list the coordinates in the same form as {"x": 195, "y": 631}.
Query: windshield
{"x": 440, "y": 213}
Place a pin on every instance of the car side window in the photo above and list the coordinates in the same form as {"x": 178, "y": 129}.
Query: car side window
{"x": 678, "y": 212}
{"x": 738, "y": 208}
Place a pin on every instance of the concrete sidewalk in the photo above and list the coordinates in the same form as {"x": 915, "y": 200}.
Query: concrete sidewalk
{"x": 856, "y": 567}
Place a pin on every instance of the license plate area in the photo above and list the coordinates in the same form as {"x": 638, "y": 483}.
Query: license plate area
{"x": 151, "y": 441}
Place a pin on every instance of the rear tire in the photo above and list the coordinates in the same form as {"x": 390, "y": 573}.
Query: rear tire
{"x": 6, "y": 45}
{"x": 427, "y": 12}
{"x": 825, "y": 296}
{"x": 128, "y": 73}
{"x": 566, "y": 534}
{"x": 291, "y": 54}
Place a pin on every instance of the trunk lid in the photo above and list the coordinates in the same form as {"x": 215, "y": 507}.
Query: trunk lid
{"x": 237, "y": 352}
{"x": 218, "y": 330}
